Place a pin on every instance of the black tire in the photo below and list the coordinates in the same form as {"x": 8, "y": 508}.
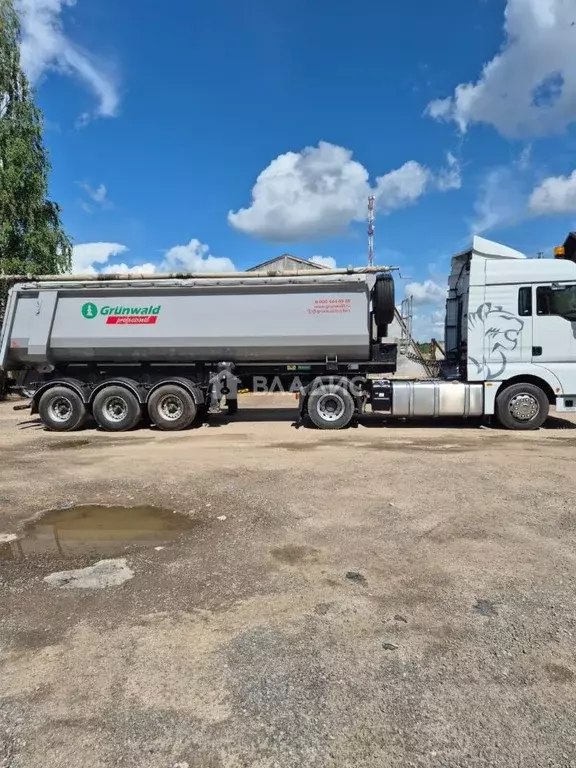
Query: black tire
{"x": 522, "y": 406}
{"x": 383, "y": 300}
{"x": 116, "y": 409}
{"x": 330, "y": 406}
{"x": 232, "y": 405}
{"x": 382, "y": 331}
{"x": 171, "y": 408}
{"x": 61, "y": 409}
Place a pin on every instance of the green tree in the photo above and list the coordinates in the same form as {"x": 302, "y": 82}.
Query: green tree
{"x": 32, "y": 238}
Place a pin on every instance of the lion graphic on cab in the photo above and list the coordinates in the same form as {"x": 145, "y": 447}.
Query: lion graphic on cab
{"x": 502, "y": 331}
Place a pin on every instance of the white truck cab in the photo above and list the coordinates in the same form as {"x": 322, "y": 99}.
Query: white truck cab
{"x": 512, "y": 321}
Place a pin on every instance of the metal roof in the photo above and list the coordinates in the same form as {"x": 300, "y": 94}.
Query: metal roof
{"x": 285, "y": 257}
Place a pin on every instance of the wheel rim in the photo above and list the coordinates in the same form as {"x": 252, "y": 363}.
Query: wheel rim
{"x": 171, "y": 407}
{"x": 331, "y": 407}
{"x": 115, "y": 408}
{"x": 524, "y": 407}
{"x": 60, "y": 409}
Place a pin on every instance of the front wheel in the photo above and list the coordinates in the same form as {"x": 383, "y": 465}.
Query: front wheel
{"x": 61, "y": 409}
{"x": 330, "y": 406}
{"x": 522, "y": 406}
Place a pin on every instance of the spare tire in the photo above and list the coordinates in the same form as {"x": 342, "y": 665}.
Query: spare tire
{"x": 382, "y": 331}
{"x": 383, "y": 300}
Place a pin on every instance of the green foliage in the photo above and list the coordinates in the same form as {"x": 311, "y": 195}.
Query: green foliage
{"x": 425, "y": 348}
{"x": 32, "y": 239}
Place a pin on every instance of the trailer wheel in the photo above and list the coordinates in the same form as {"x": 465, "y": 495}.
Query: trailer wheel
{"x": 116, "y": 409}
{"x": 171, "y": 408}
{"x": 232, "y": 405}
{"x": 522, "y": 406}
{"x": 61, "y": 409}
{"x": 330, "y": 406}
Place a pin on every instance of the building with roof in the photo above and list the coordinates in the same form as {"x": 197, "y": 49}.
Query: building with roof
{"x": 286, "y": 262}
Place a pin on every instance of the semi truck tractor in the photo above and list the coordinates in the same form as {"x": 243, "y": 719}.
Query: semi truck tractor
{"x": 167, "y": 348}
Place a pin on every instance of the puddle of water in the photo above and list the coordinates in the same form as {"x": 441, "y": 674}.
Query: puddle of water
{"x": 95, "y": 530}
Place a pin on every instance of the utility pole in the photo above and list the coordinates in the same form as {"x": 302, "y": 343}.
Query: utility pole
{"x": 371, "y": 200}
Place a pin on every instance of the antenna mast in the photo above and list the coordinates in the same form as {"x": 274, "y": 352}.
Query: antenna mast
{"x": 371, "y": 230}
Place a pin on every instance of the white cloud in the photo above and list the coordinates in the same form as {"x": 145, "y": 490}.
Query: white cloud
{"x": 429, "y": 299}
{"x": 502, "y": 196}
{"x": 428, "y": 325}
{"x": 305, "y": 194}
{"x": 45, "y": 47}
{"x": 98, "y": 197}
{"x": 97, "y": 258}
{"x": 401, "y": 187}
{"x": 194, "y": 257}
{"x": 427, "y": 292}
{"x": 86, "y": 255}
{"x": 529, "y": 87}
{"x": 98, "y": 194}
{"x": 124, "y": 269}
{"x": 557, "y": 194}
{"x": 321, "y": 190}
{"x": 324, "y": 261}
{"x": 501, "y": 200}
{"x": 451, "y": 176}
{"x": 494, "y": 205}
{"x": 524, "y": 161}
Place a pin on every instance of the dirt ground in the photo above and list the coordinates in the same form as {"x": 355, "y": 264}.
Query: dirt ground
{"x": 451, "y": 641}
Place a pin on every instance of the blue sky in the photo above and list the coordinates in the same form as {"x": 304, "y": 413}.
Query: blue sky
{"x": 198, "y": 134}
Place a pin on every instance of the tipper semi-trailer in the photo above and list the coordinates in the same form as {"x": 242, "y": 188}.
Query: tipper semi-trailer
{"x": 170, "y": 347}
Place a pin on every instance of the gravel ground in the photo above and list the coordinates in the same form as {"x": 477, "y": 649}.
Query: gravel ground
{"x": 383, "y": 596}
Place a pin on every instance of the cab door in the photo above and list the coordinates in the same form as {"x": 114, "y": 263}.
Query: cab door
{"x": 502, "y": 326}
{"x": 554, "y": 332}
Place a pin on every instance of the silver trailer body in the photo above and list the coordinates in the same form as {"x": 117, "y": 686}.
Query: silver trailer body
{"x": 188, "y": 320}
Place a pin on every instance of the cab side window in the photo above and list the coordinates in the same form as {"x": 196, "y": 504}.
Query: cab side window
{"x": 543, "y": 300}
{"x": 525, "y": 301}
{"x": 558, "y": 300}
